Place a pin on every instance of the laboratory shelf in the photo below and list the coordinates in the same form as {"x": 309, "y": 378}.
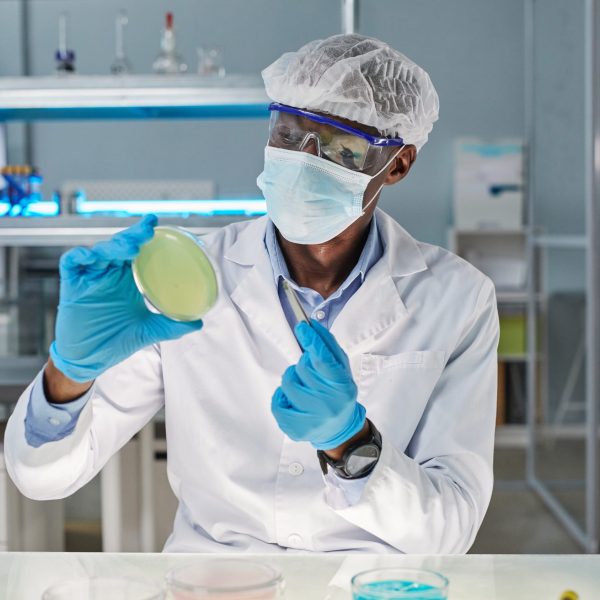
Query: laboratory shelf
{"x": 74, "y": 230}
{"x": 513, "y": 358}
{"x": 132, "y": 97}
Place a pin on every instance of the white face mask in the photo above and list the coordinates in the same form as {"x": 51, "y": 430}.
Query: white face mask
{"x": 310, "y": 199}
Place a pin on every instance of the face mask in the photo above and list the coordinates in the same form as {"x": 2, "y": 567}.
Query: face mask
{"x": 310, "y": 199}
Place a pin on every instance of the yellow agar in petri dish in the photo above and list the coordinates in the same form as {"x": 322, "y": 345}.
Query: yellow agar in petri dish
{"x": 174, "y": 274}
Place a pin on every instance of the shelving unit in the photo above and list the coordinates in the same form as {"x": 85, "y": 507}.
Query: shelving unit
{"x": 498, "y": 244}
{"x": 131, "y": 97}
{"x": 96, "y": 98}
{"x": 580, "y": 516}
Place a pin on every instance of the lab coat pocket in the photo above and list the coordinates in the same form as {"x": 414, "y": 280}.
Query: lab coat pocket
{"x": 395, "y": 389}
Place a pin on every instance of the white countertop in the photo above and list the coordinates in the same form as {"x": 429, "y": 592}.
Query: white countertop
{"x": 24, "y": 576}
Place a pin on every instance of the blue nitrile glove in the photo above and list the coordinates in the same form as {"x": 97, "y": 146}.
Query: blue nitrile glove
{"x": 102, "y": 318}
{"x": 316, "y": 401}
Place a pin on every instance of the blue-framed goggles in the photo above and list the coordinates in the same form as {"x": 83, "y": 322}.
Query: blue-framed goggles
{"x": 294, "y": 129}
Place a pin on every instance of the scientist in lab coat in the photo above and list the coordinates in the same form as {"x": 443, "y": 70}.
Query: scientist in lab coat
{"x": 369, "y": 429}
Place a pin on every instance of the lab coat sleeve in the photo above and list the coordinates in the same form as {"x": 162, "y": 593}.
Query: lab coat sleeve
{"x": 433, "y": 497}
{"x": 122, "y": 401}
{"x": 343, "y": 492}
{"x": 48, "y": 422}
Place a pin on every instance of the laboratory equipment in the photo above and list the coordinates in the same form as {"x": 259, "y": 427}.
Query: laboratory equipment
{"x": 65, "y": 58}
{"x": 295, "y": 303}
{"x": 21, "y": 189}
{"x": 225, "y": 579}
{"x": 174, "y": 274}
{"x": 210, "y": 62}
{"x": 489, "y": 184}
{"x": 102, "y": 318}
{"x": 169, "y": 61}
{"x": 399, "y": 584}
{"x": 121, "y": 65}
{"x": 101, "y": 588}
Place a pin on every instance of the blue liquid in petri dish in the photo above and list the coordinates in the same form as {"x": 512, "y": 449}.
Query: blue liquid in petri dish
{"x": 400, "y": 590}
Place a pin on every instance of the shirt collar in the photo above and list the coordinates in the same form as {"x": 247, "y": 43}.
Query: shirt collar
{"x": 402, "y": 254}
{"x": 371, "y": 253}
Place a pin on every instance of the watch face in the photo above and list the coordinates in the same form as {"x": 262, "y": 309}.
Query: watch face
{"x": 362, "y": 459}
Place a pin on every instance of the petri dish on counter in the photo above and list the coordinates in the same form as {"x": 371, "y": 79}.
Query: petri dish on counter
{"x": 175, "y": 275}
{"x": 225, "y": 579}
{"x": 101, "y": 588}
{"x": 399, "y": 584}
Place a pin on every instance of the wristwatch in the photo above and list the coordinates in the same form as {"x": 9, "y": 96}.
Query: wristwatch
{"x": 359, "y": 459}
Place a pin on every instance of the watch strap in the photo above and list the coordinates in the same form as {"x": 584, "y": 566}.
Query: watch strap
{"x": 339, "y": 466}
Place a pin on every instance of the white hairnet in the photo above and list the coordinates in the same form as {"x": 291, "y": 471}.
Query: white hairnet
{"x": 357, "y": 78}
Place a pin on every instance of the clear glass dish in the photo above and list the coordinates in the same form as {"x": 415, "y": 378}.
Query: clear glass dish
{"x": 225, "y": 579}
{"x": 399, "y": 584}
{"x": 103, "y": 588}
{"x": 175, "y": 275}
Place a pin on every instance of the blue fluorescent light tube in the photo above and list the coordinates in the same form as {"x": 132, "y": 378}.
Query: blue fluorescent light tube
{"x": 35, "y": 209}
{"x": 251, "y": 206}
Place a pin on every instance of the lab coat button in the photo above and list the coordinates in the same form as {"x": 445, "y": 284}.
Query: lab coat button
{"x": 53, "y": 421}
{"x": 295, "y": 468}
{"x": 320, "y": 314}
{"x": 295, "y": 540}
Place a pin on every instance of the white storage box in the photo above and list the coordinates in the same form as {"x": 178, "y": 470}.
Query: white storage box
{"x": 488, "y": 184}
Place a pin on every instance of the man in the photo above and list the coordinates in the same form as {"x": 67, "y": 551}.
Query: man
{"x": 371, "y": 427}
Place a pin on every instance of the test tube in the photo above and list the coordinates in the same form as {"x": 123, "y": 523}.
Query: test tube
{"x": 295, "y": 303}
{"x": 121, "y": 64}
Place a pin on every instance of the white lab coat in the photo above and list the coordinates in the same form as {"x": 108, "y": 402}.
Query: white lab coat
{"x": 421, "y": 334}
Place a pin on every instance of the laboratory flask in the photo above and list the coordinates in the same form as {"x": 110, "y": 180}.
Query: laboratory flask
{"x": 175, "y": 275}
{"x": 399, "y": 584}
{"x": 101, "y": 588}
{"x": 225, "y": 579}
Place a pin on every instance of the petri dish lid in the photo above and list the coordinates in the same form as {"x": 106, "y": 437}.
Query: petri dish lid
{"x": 226, "y": 579}
{"x": 174, "y": 274}
{"x": 94, "y": 588}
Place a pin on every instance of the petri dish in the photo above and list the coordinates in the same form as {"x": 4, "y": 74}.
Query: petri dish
{"x": 100, "y": 588}
{"x": 225, "y": 579}
{"x": 399, "y": 584}
{"x": 175, "y": 275}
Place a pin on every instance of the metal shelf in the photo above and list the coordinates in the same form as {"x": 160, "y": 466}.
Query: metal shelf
{"x": 516, "y": 297}
{"x": 131, "y": 97}
{"x": 74, "y": 230}
{"x": 513, "y": 358}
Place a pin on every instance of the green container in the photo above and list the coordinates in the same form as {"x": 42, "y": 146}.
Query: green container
{"x": 512, "y": 335}
{"x": 174, "y": 274}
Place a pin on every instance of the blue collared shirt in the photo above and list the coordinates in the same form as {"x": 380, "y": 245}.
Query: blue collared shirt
{"x": 47, "y": 422}
{"x": 315, "y": 306}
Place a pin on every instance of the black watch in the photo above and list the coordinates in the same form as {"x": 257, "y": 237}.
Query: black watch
{"x": 359, "y": 458}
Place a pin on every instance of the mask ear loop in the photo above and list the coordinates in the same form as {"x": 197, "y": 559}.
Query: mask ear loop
{"x": 387, "y": 164}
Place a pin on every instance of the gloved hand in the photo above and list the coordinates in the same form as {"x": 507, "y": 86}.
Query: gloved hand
{"x": 316, "y": 401}
{"x": 102, "y": 318}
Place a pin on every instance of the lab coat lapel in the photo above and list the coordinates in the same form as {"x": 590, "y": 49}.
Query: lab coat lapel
{"x": 377, "y": 304}
{"x": 256, "y": 293}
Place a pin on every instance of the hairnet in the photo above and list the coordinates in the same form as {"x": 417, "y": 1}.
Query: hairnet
{"x": 357, "y": 78}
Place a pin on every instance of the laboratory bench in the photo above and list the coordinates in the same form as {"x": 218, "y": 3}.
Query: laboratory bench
{"x": 323, "y": 576}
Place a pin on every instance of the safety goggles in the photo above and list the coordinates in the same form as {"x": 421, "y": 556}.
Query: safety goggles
{"x": 294, "y": 128}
